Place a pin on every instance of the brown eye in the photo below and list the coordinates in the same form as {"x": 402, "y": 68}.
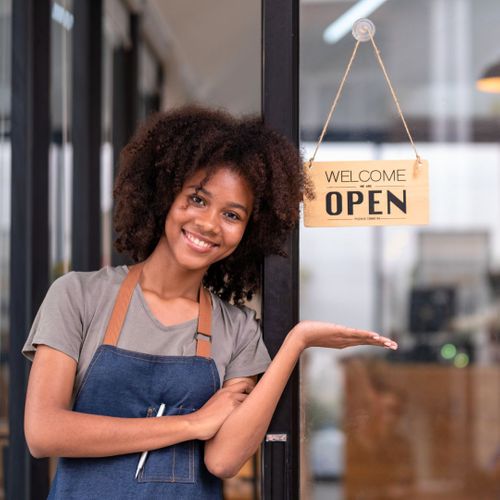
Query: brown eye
{"x": 232, "y": 216}
{"x": 197, "y": 200}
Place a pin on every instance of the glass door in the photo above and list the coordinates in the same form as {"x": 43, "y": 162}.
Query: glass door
{"x": 422, "y": 422}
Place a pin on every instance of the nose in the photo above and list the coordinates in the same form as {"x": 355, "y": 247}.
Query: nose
{"x": 207, "y": 222}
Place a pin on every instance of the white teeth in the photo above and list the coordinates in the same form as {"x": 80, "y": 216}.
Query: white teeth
{"x": 196, "y": 241}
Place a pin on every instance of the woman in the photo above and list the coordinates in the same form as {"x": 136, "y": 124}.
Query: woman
{"x": 200, "y": 198}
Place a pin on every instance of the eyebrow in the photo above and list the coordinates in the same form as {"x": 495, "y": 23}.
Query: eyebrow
{"x": 199, "y": 188}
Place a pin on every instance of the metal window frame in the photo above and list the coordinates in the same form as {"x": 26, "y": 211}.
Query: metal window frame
{"x": 125, "y": 105}
{"x": 29, "y": 244}
{"x": 280, "y": 303}
{"x": 86, "y": 137}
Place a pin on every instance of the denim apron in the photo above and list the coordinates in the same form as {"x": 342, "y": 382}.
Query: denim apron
{"x": 123, "y": 383}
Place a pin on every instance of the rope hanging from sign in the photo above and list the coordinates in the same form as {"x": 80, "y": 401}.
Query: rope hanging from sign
{"x": 366, "y": 33}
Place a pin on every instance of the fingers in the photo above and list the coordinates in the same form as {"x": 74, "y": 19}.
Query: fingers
{"x": 384, "y": 342}
{"x": 378, "y": 340}
{"x": 365, "y": 337}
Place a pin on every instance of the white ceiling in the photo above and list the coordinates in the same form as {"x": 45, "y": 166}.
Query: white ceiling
{"x": 215, "y": 51}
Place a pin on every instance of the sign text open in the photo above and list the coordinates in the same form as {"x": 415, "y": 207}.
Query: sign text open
{"x": 368, "y": 193}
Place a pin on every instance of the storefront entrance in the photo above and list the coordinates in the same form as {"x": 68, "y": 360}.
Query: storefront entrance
{"x": 419, "y": 423}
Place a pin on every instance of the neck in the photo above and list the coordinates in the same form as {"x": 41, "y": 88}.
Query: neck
{"x": 164, "y": 277}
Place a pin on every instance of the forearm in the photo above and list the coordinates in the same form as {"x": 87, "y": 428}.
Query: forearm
{"x": 242, "y": 432}
{"x": 64, "y": 433}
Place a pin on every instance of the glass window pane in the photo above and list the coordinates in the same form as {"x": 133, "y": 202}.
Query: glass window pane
{"x": 424, "y": 421}
{"x": 61, "y": 151}
{"x": 214, "y": 52}
{"x": 116, "y": 43}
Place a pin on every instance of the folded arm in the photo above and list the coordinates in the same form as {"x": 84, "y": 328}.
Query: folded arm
{"x": 53, "y": 429}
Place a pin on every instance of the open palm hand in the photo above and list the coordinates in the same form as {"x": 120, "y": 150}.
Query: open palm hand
{"x": 320, "y": 334}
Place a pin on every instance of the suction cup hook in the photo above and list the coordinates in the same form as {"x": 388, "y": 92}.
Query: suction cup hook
{"x": 363, "y": 30}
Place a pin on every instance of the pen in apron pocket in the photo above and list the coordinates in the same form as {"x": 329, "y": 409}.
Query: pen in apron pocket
{"x": 142, "y": 460}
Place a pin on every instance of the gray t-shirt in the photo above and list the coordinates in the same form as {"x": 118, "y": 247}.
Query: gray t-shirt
{"x": 75, "y": 312}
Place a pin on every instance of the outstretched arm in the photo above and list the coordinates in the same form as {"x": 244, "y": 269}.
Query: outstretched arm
{"x": 242, "y": 432}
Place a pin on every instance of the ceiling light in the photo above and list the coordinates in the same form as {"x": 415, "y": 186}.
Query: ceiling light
{"x": 62, "y": 16}
{"x": 490, "y": 80}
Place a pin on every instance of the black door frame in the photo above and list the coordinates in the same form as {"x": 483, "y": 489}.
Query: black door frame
{"x": 29, "y": 238}
{"x": 280, "y": 294}
{"x": 86, "y": 136}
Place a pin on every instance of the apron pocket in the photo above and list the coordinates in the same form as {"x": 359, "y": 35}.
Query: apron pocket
{"x": 173, "y": 464}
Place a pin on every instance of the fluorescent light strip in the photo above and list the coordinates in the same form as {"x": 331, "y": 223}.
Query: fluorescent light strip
{"x": 62, "y": 16}
{"x": 343, "y": 25}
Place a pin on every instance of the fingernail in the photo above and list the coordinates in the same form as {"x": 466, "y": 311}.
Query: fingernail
{"x": 388, "y": 343}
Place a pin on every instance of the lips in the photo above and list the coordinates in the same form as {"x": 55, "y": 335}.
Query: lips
{"x": 198, "y": 243}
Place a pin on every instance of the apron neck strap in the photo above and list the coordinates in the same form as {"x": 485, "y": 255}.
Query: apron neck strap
{"x": 122, "y": 302}
{"x": 204, "y": 332}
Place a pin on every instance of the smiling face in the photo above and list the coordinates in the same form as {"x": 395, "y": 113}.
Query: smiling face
{"x": 206, "y": 224}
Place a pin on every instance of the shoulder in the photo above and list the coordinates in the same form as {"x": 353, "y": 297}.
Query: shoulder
{"x": 75, "y": 281}
{"x": 238, "y": 317}
{"x": 81, "y": 291}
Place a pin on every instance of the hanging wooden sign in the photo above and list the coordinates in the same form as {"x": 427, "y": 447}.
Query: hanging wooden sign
{"x": 368, "y": 193}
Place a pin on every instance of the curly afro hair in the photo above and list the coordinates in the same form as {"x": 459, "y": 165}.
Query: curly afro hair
{"x": 170, "y": 147}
